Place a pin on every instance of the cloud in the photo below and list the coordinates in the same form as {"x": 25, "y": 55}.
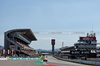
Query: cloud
{"x": 45, "y": 38}
{"x": 49, "y": 38}
{"x": 62, "y": 40}
{"x": 60, "y": 32}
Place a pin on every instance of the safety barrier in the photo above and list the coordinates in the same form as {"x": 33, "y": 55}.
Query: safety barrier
{"x": 19, "y": 58}
{"x": 80, "y": 61}
{"x": 23, "y": 58}
{"x": 3, "y": 58}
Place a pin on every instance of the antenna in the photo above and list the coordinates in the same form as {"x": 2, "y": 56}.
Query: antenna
{"x": 62, "y": 44}
{"x": 92, "y": 27}
{"x": 92, "y": 31}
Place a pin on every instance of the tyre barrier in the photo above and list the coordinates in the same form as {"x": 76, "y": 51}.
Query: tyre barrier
{"x": 80, "y": 61}
{"x": 45, "y": 60}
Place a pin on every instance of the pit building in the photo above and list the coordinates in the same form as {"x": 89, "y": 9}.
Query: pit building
{"x": 85, "y": 47}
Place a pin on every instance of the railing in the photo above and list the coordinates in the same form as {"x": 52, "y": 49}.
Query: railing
{"x": 24, "y": 46}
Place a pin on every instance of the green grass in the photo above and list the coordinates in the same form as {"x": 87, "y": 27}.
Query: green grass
{"x": 42, "y": 58}
{"x": 41, "y": 61}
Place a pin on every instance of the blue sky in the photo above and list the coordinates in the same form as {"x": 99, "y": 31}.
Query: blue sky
{"x": 50, "y": 15}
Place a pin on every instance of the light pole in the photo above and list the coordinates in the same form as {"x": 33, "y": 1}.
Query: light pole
{"x": 62, "y": 44}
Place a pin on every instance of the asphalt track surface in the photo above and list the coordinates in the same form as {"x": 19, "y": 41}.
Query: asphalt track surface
{"x": 18, "y": 62}
{"x": 51, "y": 62}
{"x": 54, "y": 61}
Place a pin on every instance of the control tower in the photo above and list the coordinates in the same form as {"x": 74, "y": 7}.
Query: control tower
{"x": 53, "y": 43}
